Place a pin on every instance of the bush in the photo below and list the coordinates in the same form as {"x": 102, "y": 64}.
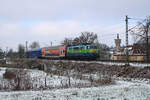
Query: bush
{"x": 106, "y": 80}
{"x": 20, "y": 77}
{"x": 10, "y": 74}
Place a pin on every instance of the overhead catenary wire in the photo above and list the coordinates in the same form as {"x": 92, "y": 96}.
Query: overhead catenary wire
{"x": 136, "y": 18}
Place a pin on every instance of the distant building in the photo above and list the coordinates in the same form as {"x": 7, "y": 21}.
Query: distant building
{"x": 117, "y": 42}
{"x": 119, "y": 54}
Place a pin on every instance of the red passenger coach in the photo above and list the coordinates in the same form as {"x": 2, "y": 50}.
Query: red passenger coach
{"x": 50, "y": 52}
{"x": 54, "y": 52}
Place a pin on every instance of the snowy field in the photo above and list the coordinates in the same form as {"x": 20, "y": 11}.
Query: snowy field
{"x": 121, "y": 90}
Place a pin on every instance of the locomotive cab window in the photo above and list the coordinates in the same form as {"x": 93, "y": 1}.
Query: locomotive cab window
{"x": 88, "y": 47}
{"x": 93, "y": 47}
{"x": 76, "y": 48}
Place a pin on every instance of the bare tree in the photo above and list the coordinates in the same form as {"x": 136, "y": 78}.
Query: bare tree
{"x": 21, "y": 78}
{"x": 87, "y": 37}
{"x": 76, "y": 41}
{"x": 104, "y": 51}
{"x": 35, "y": 45}
{"x": 141, "y": 34}
{"x": 84, "y": 38}
{"x": 21, "y": 51}
{"x": 10, "y": 53}
{"x": 1, "y": 53}
{"x": 67, "y": 41}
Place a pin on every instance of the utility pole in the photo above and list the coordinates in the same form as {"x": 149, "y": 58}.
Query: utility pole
{"x": 51, "y": 43}
{"x": 26, "y": 46}
{"x": 147, "y": 48}
{"x": 127, "y": 52}
{"x": 26, "y": 49}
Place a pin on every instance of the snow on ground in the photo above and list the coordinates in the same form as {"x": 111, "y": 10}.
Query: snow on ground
{"x": 121, "y": 63}
{"x": 2, "y": 71}
{"x": 40, "y": 77}
{"x": 121, "y": 91}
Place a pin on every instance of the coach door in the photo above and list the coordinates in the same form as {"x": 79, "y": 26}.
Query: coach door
{"x": 62, "y": 51}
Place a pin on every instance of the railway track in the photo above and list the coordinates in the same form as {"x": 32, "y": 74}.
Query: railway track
{"x": 135, "y": 64}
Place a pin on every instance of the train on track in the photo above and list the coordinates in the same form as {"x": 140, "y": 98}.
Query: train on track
{"x": 87, "y": 52}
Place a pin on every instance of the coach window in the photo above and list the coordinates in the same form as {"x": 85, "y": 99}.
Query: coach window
{"x": 95, "y": 47}
{"x": 69, "y": 48}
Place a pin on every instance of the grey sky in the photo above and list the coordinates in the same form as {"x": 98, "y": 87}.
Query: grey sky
{"x": 53, "y": 20}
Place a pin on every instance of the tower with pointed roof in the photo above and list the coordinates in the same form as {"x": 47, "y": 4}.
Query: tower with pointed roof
{"x": 117, "y": 42}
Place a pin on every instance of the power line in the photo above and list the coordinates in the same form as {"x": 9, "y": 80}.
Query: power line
{"x": 137, "y": 18}
{"x": 134, "y": 27}
{"x": 112, "y": 34}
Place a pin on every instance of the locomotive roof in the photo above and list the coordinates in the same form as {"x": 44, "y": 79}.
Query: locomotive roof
{"x": 82, "y": 45}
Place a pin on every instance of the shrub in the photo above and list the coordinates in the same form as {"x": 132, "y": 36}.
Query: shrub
{"x": 21, "y": 78}
{"x": 10, "y": 74}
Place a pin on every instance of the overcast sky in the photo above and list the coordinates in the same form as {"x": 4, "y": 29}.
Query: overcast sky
{"x": 53, "y": 20}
